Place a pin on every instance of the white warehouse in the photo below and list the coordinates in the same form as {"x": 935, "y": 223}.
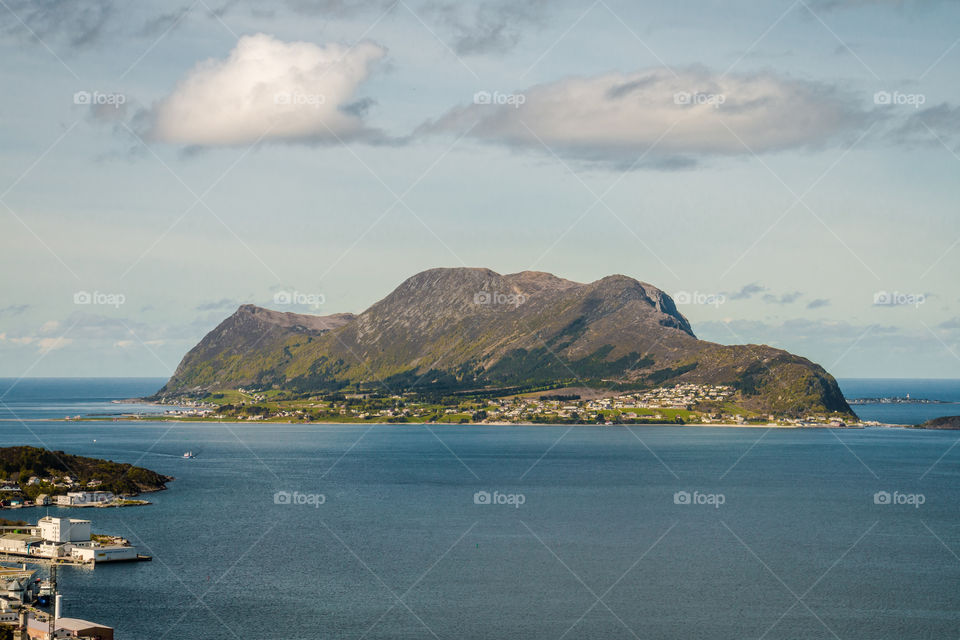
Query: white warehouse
{"x": 64, "y": 529}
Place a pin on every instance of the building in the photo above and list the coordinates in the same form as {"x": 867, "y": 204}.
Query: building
{"x": 68, "y": 628}
{"x": 8, "y": 614}
{"x": 19, "y": 543}
{"x": 103, "y": 553}
{"x": 42, "y": 500}
{"x": 64, "y": 529}
{"x": 17, "y": 586}
{"x": 85, "y": 498}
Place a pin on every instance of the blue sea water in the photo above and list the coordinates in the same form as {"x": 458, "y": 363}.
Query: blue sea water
{"x": 604, "y": 544}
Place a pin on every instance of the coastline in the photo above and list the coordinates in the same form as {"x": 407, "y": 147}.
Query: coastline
{"x": 162, "y": 418}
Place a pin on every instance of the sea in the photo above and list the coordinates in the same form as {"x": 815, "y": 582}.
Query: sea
{"x": 542, "y": 532}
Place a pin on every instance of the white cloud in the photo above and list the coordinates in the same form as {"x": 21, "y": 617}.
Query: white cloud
{"x": 49, "y": 326}
{"x": 43, "y": 344}
{"x": 49, "y": 344}
{"x": 267, "y": 87}
{"x": 615, "y": 117}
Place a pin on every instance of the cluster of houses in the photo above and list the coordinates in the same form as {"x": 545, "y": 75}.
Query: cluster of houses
{"x": 701, "y": 403}
{"x": 60, "y": 482}
{"x": 77, "y": 494}
{"x": 189, "y": 413}
{"x": 69, "y": 499}
{"x": 681, "y": 396}
{"x": 64, "y": 539}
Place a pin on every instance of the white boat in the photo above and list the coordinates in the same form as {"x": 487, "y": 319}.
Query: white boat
{"x": 189, "y": 454}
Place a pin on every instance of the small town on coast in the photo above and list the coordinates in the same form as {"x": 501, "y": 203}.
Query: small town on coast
{"x": 31, "y": 553}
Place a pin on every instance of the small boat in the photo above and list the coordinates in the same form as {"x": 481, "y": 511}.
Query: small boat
{"x": 189, "y": 454}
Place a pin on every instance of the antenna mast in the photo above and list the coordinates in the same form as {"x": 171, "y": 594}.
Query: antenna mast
{"x": 53, "y": 593}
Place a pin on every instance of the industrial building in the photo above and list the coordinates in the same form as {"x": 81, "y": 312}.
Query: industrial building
{"x": 65, "y": 540}
{"x": 64, "y": 529}
{"x": 68, "y": 628}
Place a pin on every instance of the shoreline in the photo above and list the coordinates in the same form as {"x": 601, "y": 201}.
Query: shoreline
{"x": 167, "y": 419}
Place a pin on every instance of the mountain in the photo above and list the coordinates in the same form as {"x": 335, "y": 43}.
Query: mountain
{"x": 464, "y": 329}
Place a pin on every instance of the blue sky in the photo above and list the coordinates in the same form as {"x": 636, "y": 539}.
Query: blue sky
{"x": 787, "y": 170}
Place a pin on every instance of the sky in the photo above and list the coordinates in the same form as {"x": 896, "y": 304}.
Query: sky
{"x": 786, "y": 170}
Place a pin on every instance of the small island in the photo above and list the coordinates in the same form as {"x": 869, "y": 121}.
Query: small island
{"x": 32, "y": 476}
{"x": 946, "y": 422}
{"x": 896, "y": 400}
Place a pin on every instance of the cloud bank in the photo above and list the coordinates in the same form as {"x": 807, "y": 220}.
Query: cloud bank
{"x": 617, "y": 117}
{"x": 271, "y": 90}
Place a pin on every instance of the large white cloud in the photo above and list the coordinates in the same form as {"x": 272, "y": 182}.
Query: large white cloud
{"x": 619, "y": 116}
{"x": 271, "y": 89}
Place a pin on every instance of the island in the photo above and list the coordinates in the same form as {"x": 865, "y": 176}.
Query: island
{"x": 946, "y": 422}
{"x": 33, "y": 476}
{"x": 896, "y": 400}
{"x": 470, "y": 345}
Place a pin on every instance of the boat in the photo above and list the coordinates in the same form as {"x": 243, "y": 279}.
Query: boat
{"x": 189, "y": 454}
{"x": 45, "y": 593}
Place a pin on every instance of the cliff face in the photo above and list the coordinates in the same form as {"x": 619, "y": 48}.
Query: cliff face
{"x": 460, "y": 329}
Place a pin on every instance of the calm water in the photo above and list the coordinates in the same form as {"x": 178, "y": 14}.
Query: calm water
{"x": 598, "y": 549}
